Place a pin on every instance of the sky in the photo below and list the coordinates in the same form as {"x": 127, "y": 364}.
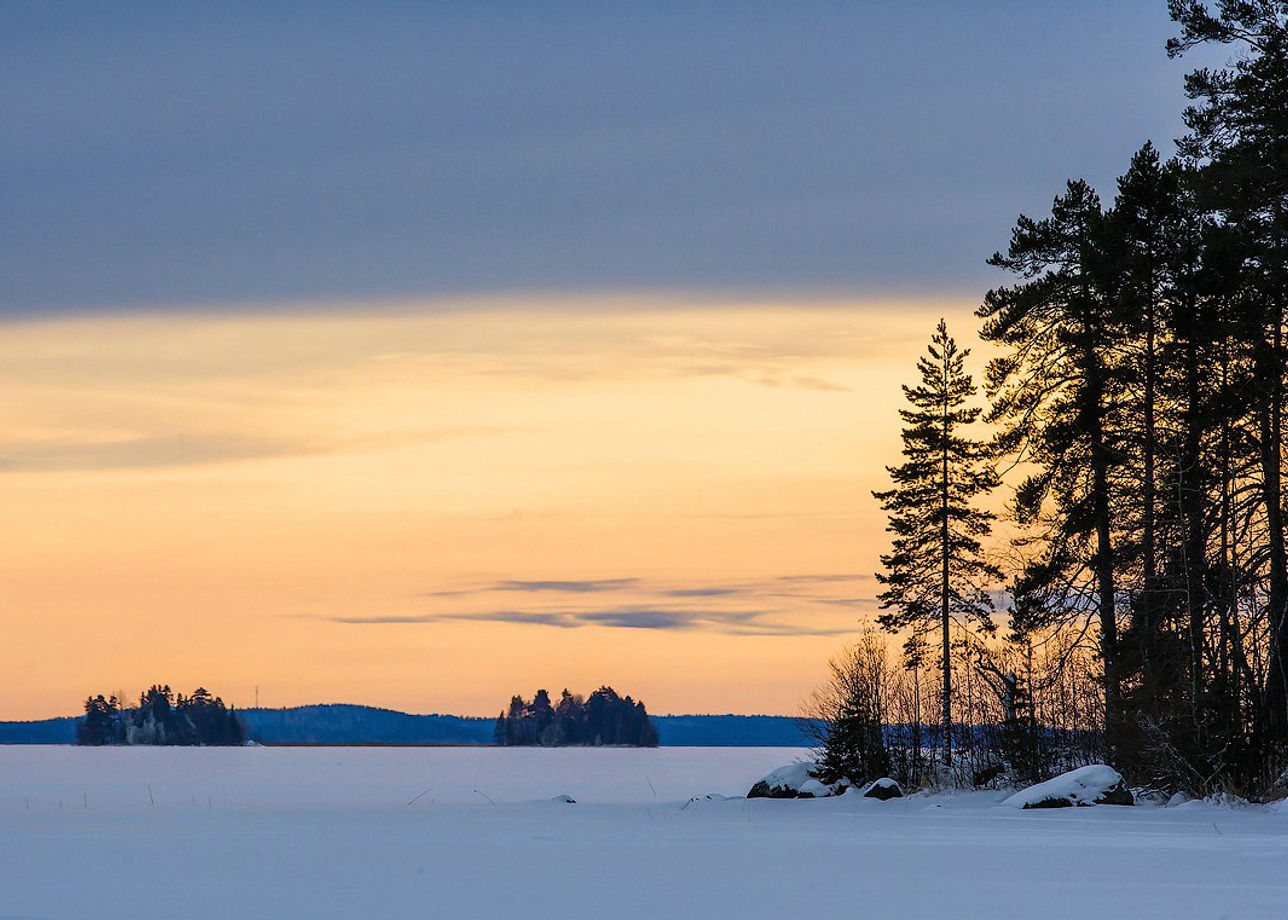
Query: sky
{"x": 421, "y": 354}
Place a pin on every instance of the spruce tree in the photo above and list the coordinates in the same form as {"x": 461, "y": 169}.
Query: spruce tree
{"x": 936, "y": 572}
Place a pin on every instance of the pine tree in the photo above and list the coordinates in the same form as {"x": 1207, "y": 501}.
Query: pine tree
{"x": 1239, "y": 140}
{"x": 1056, "y": 394}
{"x": 936, "y": 571}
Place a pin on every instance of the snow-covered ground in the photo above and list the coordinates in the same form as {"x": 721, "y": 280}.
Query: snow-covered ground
{"x": 454, "y": 832}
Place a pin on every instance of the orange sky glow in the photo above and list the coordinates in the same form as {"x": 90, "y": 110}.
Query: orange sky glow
{"x": 433, "y": 506}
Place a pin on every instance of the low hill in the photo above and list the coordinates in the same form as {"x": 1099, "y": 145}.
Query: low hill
{"x": 342, "y": 723}
{"x": 45, "y": 731}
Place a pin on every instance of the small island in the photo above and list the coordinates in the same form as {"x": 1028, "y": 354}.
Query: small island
{"x": 603, "y": 718}
{"x": 161, "y": 717}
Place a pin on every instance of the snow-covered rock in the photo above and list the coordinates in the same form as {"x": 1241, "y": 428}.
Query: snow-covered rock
{"x": 1096, "y": 784}
{"x": 564, "y": 799}
{"x": 883, "y": 788}
{"x": 794, "y": 781}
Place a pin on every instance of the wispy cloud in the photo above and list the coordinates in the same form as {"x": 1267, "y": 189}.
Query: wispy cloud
{"x": 848, "y": 601}
{"x": 570, "y": 587}
{"x": 705, "y": 592}
{"x": 797, "y": 381}
{"x": 198, "y": 448}
{"x": 134, "y": 453}
{"x": 740, "y": 622}
{"x": 791, "y": 605}
{"x": 824, "y": 578}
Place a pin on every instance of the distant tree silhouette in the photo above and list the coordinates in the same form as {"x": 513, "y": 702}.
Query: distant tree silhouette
{"x": 936, "y": 572}
{"x": 604, "y": 718}
{"x": 161, "y": 718}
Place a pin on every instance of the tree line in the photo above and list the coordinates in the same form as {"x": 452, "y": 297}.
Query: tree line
{"x": 161, "y": 717}
{"x": 603, "y": 718}
{"x": 1135, "y": 408}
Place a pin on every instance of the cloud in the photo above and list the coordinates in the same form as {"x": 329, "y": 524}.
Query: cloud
{"x": 848, "y": 601}
{"x": 793, "y": 605}
{"x": 541, "y": 586}
{"x": 586, "y": 190}
{"x": 824, "y": 578}
{"x": 817, "y": 383}
{"x": 135, "y": 453}
{"x": 798, "y": 381}
{"x": 704, "y": 592}
{"x": 731, "y": 622}
{"x": 199, "y": 449}
{"x": 569, "y": 587}
{"x": 666, "y": 618}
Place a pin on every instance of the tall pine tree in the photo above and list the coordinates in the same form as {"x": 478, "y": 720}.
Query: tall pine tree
{"x": 1055, "y": 394}
{"x": 1239, "y": 140}
{"x": 936, "y": 571}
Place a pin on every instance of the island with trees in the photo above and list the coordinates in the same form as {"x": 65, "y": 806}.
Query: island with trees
{"x": 160, "y": 718}
{"x": 603, "y": 718}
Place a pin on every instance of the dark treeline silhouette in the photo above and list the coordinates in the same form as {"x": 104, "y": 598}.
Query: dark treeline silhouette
{"x": 1136, "y": 402}
{"x": 602, "y": 718}
{"x": 160, "y": 717}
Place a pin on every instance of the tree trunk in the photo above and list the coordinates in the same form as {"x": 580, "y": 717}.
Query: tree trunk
{"x": 944, "y": 617}
{"x": 1149, "y": 614}
{"x": 1276, "y": 695}
{"x": 1193, "y": 511}
{"x": 1103, "y": 561}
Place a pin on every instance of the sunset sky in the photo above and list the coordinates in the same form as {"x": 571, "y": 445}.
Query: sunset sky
{"x": 417, "y": 355}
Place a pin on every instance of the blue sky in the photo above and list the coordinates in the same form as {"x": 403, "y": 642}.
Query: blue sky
{"x": 163, "y": 154}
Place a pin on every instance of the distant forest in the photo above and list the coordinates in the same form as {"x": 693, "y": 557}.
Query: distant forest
{"x": 602, "y": 718}
{"x": 341, "y": 723}
{"x": 161, "y": 717}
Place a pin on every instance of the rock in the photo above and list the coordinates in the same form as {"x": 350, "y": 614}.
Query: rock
{"x": 812, "y": 789}
{"x": 794, "y": 781}
{"x": 883, "y": 789}
{"x": 1118, "y": 794}
{"x": 565, "y": 799}
{"x": 1096, "y": 784}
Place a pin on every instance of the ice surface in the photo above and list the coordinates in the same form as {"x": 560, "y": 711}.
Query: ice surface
{"x": 474, "y": 833}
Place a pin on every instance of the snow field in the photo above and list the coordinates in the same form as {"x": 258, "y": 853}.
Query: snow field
{"x": 394, "y": 832}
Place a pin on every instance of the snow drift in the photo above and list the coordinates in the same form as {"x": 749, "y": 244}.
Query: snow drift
{"x": 1096, "y": 784}
{"x": 795, "y": 781}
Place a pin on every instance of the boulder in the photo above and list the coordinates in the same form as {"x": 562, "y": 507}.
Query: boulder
{"x": 883, "y": 789}
{"x": 1096, "y": 784}
{"x": 794, "y": 781}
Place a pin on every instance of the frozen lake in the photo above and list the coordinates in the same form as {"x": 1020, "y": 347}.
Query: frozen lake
{"x": 459, "y": 832}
